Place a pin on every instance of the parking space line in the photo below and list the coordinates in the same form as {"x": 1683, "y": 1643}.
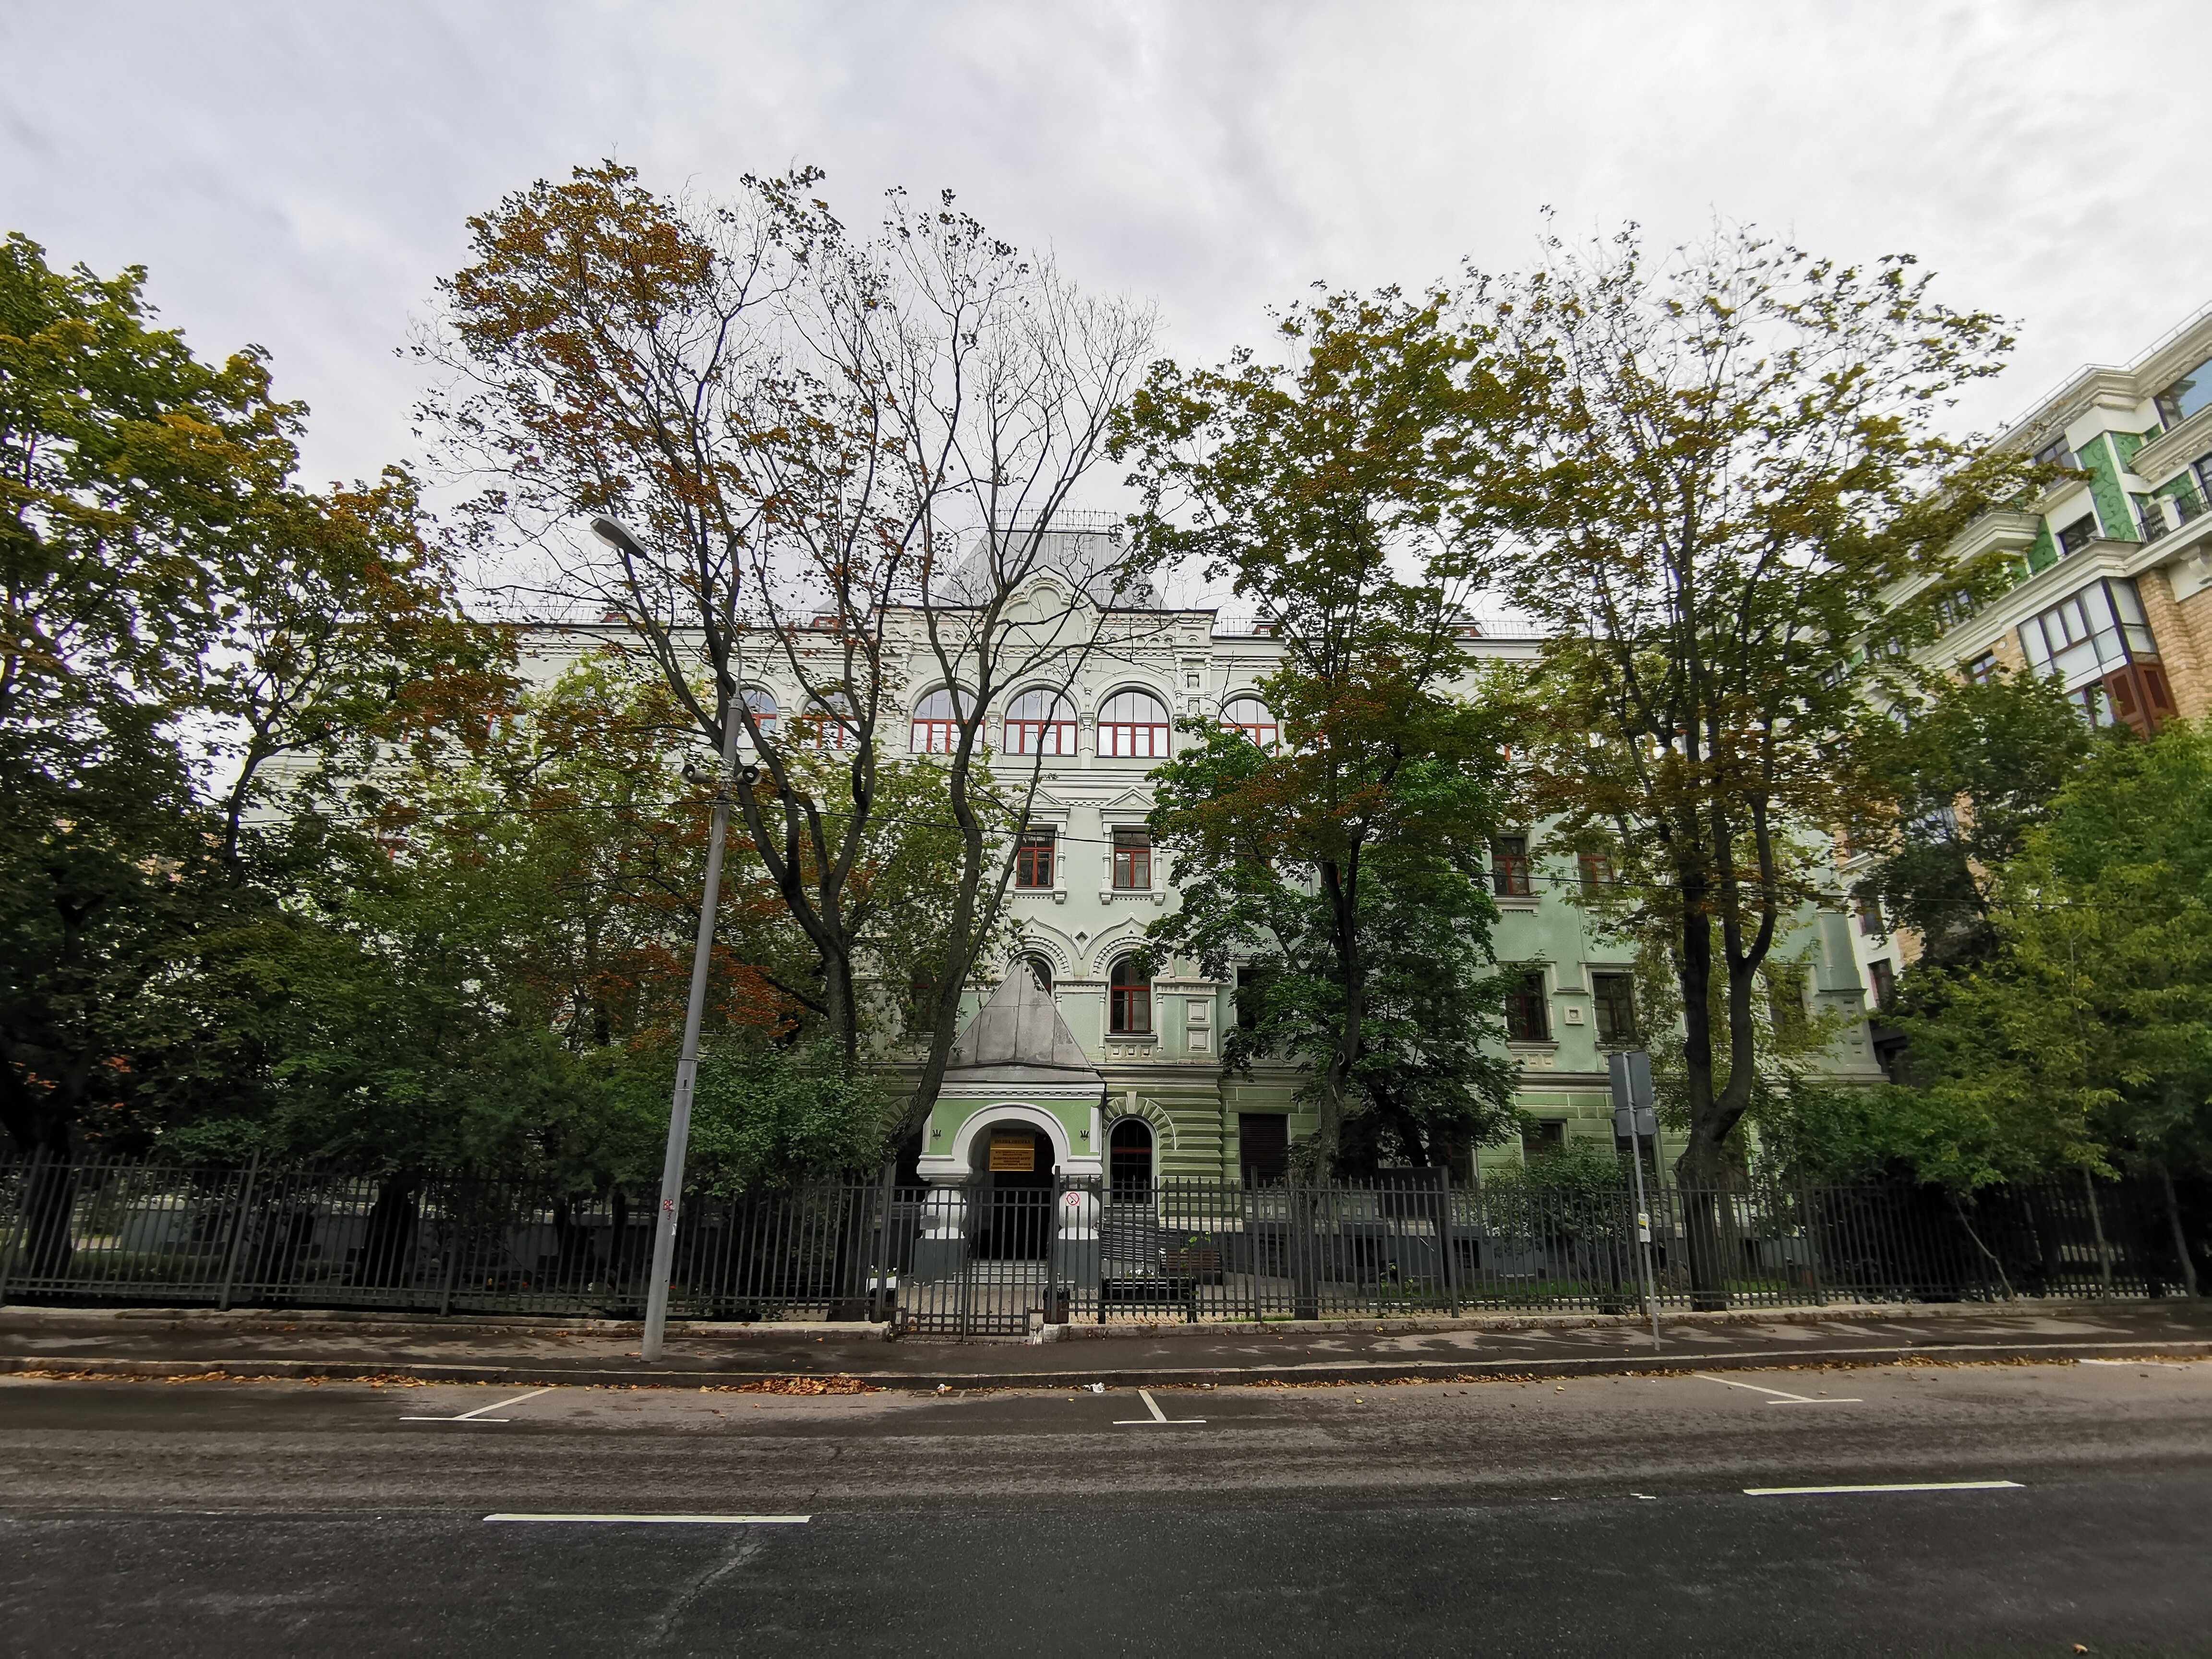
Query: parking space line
{"x": 1901, "y": 1486}
{"x": 668, "y": 1520}
{"x": 1157, "y": 1415}
{"x": 1782, "y": 1397}
{"x": 478, "y": 1415}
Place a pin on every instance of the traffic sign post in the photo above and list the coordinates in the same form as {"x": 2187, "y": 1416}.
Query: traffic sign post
{"x": 1635, "y": 1115}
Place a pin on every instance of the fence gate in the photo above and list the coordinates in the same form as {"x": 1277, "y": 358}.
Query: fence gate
{"x": 983, "y": 1263}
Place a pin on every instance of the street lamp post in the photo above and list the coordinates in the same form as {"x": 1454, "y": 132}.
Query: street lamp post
{"x": 614, "y": 533}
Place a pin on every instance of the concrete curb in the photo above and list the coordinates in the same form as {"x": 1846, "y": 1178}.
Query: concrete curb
{"x": 1669, "y": 1319}
{"x": 262, "y": 1321}
{"x": 1369, "y": 1371}
{"x": 360, "y": 1322}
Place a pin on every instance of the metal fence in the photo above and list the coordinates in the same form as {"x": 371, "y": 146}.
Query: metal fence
{"x": 992, "y": 1257}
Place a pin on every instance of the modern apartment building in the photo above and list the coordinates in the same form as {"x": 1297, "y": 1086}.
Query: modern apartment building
{"x": 2114, "y": 596}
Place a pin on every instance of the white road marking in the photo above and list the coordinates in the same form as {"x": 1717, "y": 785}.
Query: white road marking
{"x": 478, "y": 1415}
{"x": 1157, "y": 1415}
{"x": 1780, "y": 1398}
{"x": 670, "y": 1520}
{"x": 1903, "y": 1485}
{"x": 2175, "y": 1364}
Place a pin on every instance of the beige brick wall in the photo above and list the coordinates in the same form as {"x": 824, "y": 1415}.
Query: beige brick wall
{"x": 2183, "y": 632}
{"x": 2009, "y": 656}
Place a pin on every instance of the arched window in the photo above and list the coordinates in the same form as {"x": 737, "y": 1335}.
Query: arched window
{"x": 1039, "y": 969}
{"x": 1133, "y": 723}
{"x": 1129, "y": 994}
{"x": 1041, "y": 723}
{"x": 761, "y": 701}
{"x": 936, "y": 722}
{"x": 1251, "y": 717}
{"x": 829, "y": 722}
{"x": 1129, "y": 1159}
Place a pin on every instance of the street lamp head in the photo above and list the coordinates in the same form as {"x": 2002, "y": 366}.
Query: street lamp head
{"x": 617, "y": 535}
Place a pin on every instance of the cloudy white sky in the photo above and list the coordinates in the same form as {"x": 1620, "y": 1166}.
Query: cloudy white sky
{"x": 297, "y": 173}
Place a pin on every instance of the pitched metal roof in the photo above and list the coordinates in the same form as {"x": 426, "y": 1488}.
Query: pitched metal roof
{"x": 1018, "y": 1037}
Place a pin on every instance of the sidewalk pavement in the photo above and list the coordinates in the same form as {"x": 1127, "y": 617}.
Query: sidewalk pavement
{"x": 156, "y": 1342}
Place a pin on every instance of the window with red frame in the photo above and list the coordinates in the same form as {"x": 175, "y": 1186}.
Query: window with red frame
{"x": 1528, "y": 1015}
{"x": 1033, "y": 857}
{"x": 1251, "y": 717}
{"x": 1129, "y": 994}
{"x": 1509, "y": 867}
{"x": 1133, "y": 723}
{"x": 829, "y": 722}
{"x": 1041, "y": 723}
{"x": 1133, "y": 861}
{"x": 937, "y": 723}
{"x": 761, "y": 701}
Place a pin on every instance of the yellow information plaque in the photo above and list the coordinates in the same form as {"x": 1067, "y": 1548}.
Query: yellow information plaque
{"x": 1013, "y": 1154}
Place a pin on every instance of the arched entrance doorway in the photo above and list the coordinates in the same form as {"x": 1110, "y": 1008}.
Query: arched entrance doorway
{"x": 1013, "y": 1164}
{"x": 1129, "y": 1165}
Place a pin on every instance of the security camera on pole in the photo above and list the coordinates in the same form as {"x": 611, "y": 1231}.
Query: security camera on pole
{"x": 1634, "y": 1117}
{"x": 617, "y": 535}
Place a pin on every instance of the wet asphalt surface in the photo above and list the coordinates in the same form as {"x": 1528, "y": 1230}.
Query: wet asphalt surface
{"x": 1593, "y": 1514}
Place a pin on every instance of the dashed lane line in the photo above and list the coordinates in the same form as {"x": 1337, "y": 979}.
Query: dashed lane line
{"x": 1901, "y": 1486}
{"x": 667, "y": 1520}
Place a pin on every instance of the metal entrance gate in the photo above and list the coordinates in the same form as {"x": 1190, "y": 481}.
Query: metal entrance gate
{"x": 990, "y": 1259}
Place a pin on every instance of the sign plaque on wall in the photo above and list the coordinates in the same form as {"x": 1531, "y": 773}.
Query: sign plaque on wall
{"x": 1013, "y": 1154}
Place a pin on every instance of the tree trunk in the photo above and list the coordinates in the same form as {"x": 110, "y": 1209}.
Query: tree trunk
{"x": 390, "y": 1236}
{"x": 2180, "y": 1234}
{"x": 2097, "y": 1227}
{"x": 1341, "y": 884}
{"x": 1700, "y": 1172}
{"x": 842, "y": 1004}
{"x": 49, "y": 1210}
{"x": 960, "y": 934}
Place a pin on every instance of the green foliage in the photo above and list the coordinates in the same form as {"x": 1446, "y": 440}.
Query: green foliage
{"x": 1972, "y": 769}
{"x": 767, "y": 1116}
{"x": 1714, "y": 471}
{"x": 1341, "y": 866}
{"x": 150, "y": 519}
{"x": 2085, "y": 1039}
{"x": 132, "y": 476}
{"x": 1578, "y": 1167}
{"x": 1789, "y": 1100}
{"x": 178, "y": 608}
{"x": 106, "y": 876}
{"x": 1422, "y": 1016}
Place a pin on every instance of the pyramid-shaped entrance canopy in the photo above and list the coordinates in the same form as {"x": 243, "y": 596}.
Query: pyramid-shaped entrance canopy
{"x": 1018, "y": 1037}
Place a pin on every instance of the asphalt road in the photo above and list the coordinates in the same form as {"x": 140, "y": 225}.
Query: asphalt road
{"x": 1602, "y": 1515}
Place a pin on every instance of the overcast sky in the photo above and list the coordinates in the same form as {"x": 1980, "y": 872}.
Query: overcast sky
{"x": 297, "y": 174}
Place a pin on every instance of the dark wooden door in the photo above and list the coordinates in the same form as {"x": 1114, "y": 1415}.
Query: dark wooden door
{"x": 1263, "y": 1140}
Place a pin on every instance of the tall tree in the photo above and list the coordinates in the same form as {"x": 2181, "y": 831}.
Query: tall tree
{"x": 133, "y": 478}
{"x": 2084, "y": 1039}
{"x": 177, "y": 612}
{"x": 808, "y": 429}
{"x": 342, "y": 645}
{"x": 1972, "y": 768}
{"x": 1721, "y": 470}
{"x": 1326, "y": 489}
{"x": 1337, "y": 877}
